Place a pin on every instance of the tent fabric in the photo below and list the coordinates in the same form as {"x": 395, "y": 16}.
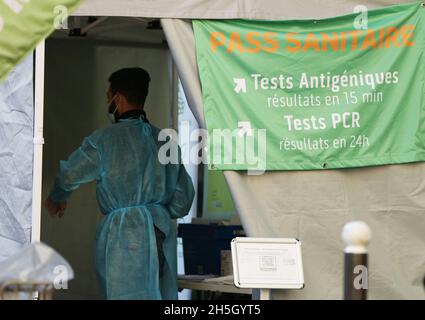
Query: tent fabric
{"x": 180, "y": 38}
{"x": 225, "y": 9}
{"x": 313, "y": 206}
{"x": 16, "y": 158}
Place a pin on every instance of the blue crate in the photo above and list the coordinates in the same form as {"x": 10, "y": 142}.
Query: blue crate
{"x": 202, "y": 246}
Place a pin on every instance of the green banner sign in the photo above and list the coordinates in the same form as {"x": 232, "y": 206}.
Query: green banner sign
{"x": 314, "y": 94}
{"x": 24, "y": 23}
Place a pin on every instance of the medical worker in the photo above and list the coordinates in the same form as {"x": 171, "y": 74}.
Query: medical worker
{"x": 135, "y": 249}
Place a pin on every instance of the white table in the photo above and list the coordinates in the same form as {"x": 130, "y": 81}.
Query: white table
{"x": 215, "y": 284}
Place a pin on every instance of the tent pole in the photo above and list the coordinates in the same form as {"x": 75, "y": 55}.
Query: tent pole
{"x": 93, "y": 25}
{"x": 38, "y": 142}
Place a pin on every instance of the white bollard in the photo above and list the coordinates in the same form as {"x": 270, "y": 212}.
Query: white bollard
{"x": 356, "y": 235}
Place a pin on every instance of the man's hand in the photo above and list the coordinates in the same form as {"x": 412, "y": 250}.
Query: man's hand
{"x": 55, "y": 209}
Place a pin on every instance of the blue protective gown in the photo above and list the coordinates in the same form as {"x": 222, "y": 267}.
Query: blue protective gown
{"x": 136, "y": 193}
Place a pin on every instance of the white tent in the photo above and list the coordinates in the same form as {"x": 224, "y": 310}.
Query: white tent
{"x": 76, "y": 73}
{"x": 389, "y": 198}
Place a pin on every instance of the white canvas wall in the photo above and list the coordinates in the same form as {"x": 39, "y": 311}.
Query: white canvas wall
{"x": 16, "y": 158}
{"x": 227, "y": 9}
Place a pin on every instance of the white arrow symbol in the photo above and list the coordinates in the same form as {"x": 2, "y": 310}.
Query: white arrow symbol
{"x": 240, "y": 85}
{"x": 244, "y": 128}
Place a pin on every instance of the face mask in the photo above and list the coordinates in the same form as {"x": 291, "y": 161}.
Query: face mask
{"x": 112, "y": 108}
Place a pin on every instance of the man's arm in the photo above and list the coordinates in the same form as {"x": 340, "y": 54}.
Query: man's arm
{"x": 82, "y": 166}
{"x": 183, "y": 196}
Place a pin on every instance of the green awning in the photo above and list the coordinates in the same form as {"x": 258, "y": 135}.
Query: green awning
{"x": 24, "y": 23}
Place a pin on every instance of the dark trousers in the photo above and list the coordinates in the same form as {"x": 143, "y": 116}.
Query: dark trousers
{"x": 160, "y": 237}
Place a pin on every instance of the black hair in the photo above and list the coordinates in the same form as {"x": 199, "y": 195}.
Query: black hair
{"x": 133, "y": 83}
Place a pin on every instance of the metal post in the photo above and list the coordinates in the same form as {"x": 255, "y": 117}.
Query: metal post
{"x": 38, "y": 142}
{"x": 262, "y": 294}
{"x": 265, "y": 294}
{"x": 356, "y": 235}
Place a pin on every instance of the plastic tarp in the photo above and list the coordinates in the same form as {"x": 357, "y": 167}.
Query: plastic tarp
{"x": 36, "y": 262}
{"x": 16, "y": 158}
{"x": 313, "y": 206}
